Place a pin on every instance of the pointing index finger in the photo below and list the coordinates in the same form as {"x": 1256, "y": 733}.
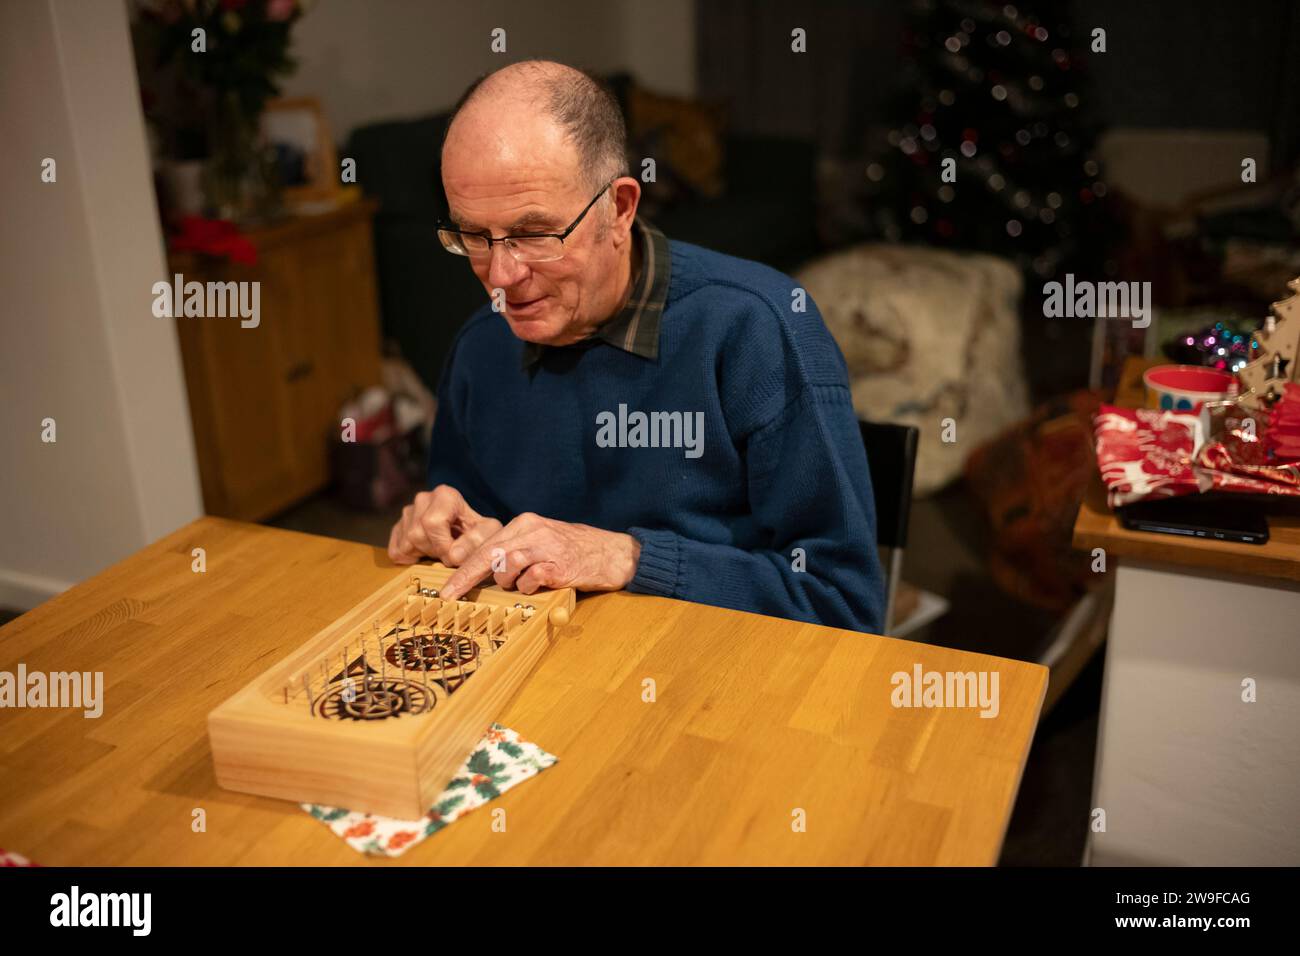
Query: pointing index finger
{"x": 474, "y": 568}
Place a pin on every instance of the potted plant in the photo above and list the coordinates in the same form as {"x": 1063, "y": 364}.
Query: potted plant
{"x": 208, "y": 68}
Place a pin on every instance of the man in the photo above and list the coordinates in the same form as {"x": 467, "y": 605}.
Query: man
{"x": 629, "y": 412}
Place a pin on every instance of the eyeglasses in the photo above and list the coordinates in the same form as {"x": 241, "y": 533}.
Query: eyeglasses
{"x": 532, "y": 247}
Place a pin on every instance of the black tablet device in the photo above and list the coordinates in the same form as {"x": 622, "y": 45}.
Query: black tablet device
{"x": 1199, "y": 516}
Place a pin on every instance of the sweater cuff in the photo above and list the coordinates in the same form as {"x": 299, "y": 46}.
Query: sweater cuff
{"x": 657, "y": 569}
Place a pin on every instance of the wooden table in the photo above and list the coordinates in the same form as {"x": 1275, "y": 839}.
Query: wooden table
{"x": 755, "y": 719}
{"x": 1187, "y": 771}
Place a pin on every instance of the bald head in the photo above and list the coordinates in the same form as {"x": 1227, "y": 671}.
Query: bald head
{"x": 583, "y": 111}
{"x": 535, "y": 159}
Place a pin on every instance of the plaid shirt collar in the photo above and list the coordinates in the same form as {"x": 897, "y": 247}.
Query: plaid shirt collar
{"x": 636, "y": 327}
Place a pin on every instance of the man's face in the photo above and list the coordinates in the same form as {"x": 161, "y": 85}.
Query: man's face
{"x": 512, "y": 172}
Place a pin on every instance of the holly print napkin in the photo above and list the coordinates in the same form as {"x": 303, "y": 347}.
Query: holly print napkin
{"x": 501, "y": 760}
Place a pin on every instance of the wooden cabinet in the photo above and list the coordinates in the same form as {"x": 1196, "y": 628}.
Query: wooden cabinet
{"x": 265, "y": 400}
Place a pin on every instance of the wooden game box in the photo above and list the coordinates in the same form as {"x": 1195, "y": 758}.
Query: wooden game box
{"x": 377, "y": 711}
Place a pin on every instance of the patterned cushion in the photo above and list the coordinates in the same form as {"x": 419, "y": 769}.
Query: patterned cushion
{"x": 928, "y": 335}
{"x": 1029, "y": 482}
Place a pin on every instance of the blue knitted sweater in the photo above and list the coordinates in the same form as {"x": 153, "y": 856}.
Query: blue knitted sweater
{"x": 754, "y": 496}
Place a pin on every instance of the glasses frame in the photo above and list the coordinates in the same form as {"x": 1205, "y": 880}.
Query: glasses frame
{"x": 448, "y": 227}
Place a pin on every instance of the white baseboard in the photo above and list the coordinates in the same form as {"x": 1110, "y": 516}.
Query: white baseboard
{"x": 22, "y": 592}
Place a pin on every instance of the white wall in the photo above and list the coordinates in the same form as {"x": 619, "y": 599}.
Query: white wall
{"x": 78, "y": 341}
{"x": 658, "y": 44}
{"x": 395, "y": 59}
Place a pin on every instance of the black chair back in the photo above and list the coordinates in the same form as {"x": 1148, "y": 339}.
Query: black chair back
{"x": 891, "y": 456}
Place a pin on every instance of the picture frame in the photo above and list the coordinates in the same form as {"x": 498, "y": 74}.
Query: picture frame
{"x": 296, "y": 128}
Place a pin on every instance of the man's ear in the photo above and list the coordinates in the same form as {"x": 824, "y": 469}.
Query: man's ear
{"x": 627, "y": 197}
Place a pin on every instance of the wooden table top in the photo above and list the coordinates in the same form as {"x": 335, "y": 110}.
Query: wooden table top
{"x": 754, "y": 719}
{"x": 1096, "y": 526}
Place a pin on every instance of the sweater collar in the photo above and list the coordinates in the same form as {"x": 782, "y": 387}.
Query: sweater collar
{"x": 635, "y": 328}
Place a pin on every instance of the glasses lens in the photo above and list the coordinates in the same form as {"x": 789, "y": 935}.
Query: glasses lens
{"x": 463, "y": 244}
{"x": 539, "y": 249}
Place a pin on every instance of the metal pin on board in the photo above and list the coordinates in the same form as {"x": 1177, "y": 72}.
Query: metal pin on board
{"x": 442, "y": 666}
{"x": 345, "y": 679}
{"x": 306, "y": 686}
{"x": 450, "y": 652}
{"x": 424, "y": 670}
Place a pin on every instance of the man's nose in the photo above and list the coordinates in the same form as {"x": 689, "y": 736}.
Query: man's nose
{"x": 504, "y": 270}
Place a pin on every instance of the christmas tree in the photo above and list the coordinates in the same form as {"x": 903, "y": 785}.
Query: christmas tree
{"x": 991, "y": 150}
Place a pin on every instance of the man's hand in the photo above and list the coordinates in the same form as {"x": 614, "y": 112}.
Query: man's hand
{"x": 441, "y": 525}
{"x": 533, "y": 552}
